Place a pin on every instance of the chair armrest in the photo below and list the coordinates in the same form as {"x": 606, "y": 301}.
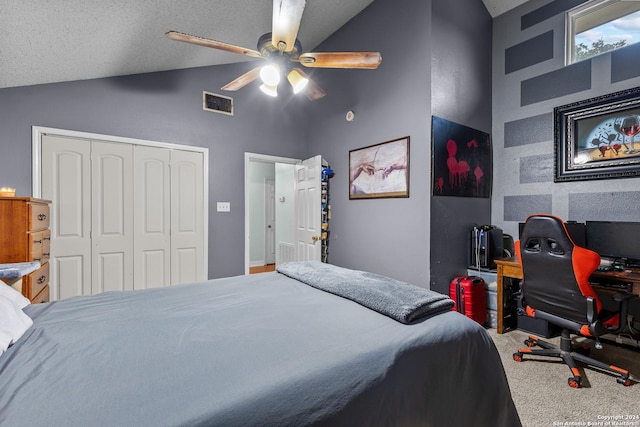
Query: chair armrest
{"x": 622, "y": 296}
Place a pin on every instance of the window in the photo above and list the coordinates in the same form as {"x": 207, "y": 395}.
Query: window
{"x": 600, "y": 26}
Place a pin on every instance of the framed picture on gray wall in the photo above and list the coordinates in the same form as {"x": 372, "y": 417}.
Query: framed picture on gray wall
{"x": 598, "y": 138}
{"x": 380, "y": 170}
{"x": 462, "y": 163}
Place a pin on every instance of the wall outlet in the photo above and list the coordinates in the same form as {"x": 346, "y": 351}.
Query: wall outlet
{"x": 224, "y": 206}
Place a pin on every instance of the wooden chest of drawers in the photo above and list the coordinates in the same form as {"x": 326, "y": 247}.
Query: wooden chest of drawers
{"x": 25, "y": 236}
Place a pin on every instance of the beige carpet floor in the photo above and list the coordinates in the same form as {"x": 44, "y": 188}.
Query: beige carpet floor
{"x": 543, "y": 398}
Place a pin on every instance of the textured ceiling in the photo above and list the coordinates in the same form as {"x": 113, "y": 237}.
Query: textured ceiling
{"x": 55, "y": 41}
{"x": 498, "y": 7}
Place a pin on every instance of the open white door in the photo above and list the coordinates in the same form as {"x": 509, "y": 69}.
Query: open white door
{"x": 308, "y": 186}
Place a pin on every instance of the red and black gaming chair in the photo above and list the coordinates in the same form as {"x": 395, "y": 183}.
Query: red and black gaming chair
{"x": 556, "y": 288}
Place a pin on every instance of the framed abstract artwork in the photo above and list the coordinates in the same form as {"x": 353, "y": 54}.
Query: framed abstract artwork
{"x": 598, "y": 138}
{"x": 380, "y": 170}
{"x": 462, "y": 163}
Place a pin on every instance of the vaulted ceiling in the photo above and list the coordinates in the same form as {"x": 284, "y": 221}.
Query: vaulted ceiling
{"x": 55, "y": 41}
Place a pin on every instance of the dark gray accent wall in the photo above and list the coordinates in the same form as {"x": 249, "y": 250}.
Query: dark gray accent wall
{"x": 538, "y": 168}
{"x": 523, "y": 103}
{"x": 551, "y": 9}
{"x": 164, "y": 107}
{"x": 625, "y": 63}
{"x": 529, "y": 52}
{"x": 581, "y": 205}
{"x": 528, "y": 130}
{"x": 461, "y": 93}
{"x": 564, "y": 81}
{"x": 517, "y": 208}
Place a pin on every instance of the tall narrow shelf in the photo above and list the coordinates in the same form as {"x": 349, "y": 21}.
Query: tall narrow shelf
{"x": 327, "y": 173}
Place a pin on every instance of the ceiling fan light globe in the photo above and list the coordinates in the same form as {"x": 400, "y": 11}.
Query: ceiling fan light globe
{"x": 269, "y": 90}
{"x": 270, "y": 75}
{"x": 298, "y": 82}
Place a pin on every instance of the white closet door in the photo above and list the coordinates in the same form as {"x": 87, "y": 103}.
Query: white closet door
{"x": 187, "y": 222}
{"x": 124, "y": 215}
{"x": 151, "y": 245}
{"x": 112, "y": 217}
{"x": 66, "y": 166}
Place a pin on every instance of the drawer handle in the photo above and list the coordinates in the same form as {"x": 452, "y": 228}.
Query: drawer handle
{"x": 42, "y": 217}
{"x": 47, "y": 238}
{"x": 42, "y": 279}
{"x": 46, "y": 254}
{"x": 37, "y": 259}
{"x": 37, "y": 241}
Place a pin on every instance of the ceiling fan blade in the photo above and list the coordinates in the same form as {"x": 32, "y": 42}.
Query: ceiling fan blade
{"x": 367, "y": 60}
{"x": 182, "y": 37}
{"x": 286, "y": 23}
{"x": 243, "y": 80}
{"x": 313, "y": 91}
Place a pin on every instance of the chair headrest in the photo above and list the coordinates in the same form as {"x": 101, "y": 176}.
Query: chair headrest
{"x": 546, "y": 233}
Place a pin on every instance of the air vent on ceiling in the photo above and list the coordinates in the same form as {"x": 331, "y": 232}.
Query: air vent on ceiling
{"x": 217, "y": 103}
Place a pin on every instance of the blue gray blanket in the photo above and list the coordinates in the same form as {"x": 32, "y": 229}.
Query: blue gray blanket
{"x": 399, "y": 300}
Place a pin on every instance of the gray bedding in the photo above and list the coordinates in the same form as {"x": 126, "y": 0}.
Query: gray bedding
{"x": 399, "y": 300}
{"x": 260, "y": 350}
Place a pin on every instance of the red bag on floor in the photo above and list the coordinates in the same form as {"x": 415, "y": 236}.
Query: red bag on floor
{"x": 470, "y": 295}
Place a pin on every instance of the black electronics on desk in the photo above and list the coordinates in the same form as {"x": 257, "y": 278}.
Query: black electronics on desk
{"x": 486, "y": 245}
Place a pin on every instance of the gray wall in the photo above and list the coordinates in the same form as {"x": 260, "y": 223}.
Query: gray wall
{"x": 164, "y": 107}
{"x": 461, "y": 93}
{"x": 386, "y": 236}
{"x": 389, "y": 236}
{"x": 432, "y": 64}
{"x": 529, "y": 80}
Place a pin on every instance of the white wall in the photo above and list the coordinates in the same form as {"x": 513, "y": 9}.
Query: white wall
{"x": 258, "y": 172}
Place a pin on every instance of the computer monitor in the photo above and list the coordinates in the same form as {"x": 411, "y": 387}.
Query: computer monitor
{"x": 615, "y": 239}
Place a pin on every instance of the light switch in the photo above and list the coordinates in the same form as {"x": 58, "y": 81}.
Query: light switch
{"x": 224, "y": 206}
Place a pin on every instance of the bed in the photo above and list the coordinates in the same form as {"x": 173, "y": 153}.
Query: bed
{"x": 271, "y": 349}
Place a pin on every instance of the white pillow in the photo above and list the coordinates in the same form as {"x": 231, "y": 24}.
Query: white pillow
{"x": 13, "y": 323}
{"x": 14, "y": 296}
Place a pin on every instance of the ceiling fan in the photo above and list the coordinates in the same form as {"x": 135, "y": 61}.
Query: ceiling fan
{"x": 283, "y": 51}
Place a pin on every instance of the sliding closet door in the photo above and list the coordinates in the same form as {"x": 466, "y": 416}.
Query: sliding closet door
{"x": 151, "y": 198}
{"x": 111, "y": 217}
{"x": 187, "y": 221}
{"x": 66, "y": 172}
{"x": 124, "y": 216}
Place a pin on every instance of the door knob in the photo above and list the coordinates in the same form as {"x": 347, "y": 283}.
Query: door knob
{"x": 315, "y": 238}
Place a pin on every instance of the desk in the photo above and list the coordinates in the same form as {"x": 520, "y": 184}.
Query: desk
{"x": 510, "y": 268}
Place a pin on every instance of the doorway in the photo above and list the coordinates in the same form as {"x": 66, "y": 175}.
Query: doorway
{"x": 298, "y": 234}
{"x": 256, "y": 168}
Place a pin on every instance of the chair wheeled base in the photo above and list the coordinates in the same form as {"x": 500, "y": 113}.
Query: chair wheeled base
{"x": 569, "y": 355}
